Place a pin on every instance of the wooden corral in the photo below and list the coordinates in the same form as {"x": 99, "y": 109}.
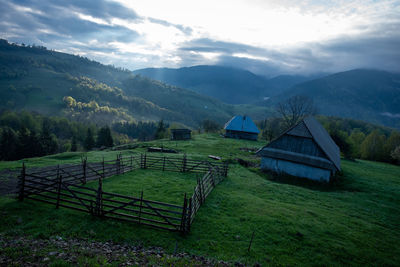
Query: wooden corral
{"x": 65, "y": 187}
{"x": 306, "y": 150}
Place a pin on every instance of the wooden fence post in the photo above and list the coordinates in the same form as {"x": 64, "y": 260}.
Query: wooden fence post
{"x": 144, "y": 164}
{"x": 59, "y": 177}
{"x": 84, "y": 169}
{"x": 212, "y": 179}
{"x": 201, "y": 190}
{"x": 99, "y": 199}
{"x": 163, "y": 165}
{"x": 22, "y": 183}
{"x": 131, "y": 163}
{"x": 189, "y": 217}
{"x": 184, "y": 163}
{"x": 121, "y": 163}
{"x": 183, "y": 219}
{"x": 103, "y": 175}
{"x": 117, "y": 164}
{"x": 141, "y": 205}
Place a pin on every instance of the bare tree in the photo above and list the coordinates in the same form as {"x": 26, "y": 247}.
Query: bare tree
{"x": 295, "y": 109}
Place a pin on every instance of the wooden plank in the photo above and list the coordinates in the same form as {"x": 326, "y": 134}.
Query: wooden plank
{"x": 147, "y": 224}
{"x": 143, "y": 212}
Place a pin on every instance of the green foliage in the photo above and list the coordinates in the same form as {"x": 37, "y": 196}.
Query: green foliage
{"x": 104, "y": 137}
{"x": 210, "y": 126}
{"x": 89, "y": 140}
{"x": 356, "y": 138}
{"x": 372, "y": 147}
{"x": 8, "y": 144}
{"x": 391, "y": 144}
{"x": 161, "y": 131}
{"x": 271, "y": 128}
{"x": 143, "y": 131}
{"x": 74, "y": 145}
{"x": 395, "y": 154}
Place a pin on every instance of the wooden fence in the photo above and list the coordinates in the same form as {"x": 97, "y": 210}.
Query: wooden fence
{"x": 65, "y": 187}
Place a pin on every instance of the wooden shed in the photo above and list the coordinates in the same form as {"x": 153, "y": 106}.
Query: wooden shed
{"x": 306, "y": 150}
{"x": 181, "y": 134}
{"x": 241, "y": 127}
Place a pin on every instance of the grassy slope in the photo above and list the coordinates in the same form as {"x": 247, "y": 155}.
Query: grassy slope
{"x": 356, "y": 221}
{"x": 38, "y": 80}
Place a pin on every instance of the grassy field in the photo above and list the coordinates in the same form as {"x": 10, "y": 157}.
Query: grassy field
{"x": 354, "y": 221}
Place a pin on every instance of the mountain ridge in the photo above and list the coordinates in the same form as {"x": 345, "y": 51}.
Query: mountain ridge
{"x": 54, "y": 83}
{"x": 367, "y": 94}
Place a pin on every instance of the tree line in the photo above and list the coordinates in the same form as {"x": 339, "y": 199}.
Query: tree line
{"x": 356, "y": 139}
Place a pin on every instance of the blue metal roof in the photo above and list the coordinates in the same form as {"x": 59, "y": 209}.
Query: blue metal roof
{"x": 242, "y": 124}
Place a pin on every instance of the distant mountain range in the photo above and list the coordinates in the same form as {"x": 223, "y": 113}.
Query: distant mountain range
{"x": 369, "y": 95}
{"x": 54, "y": 83}
{"x": 230, "y": 85}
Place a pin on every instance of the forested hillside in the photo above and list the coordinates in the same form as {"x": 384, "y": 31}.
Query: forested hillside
{"x": 229, "y": 85}
{"x": 53, "y": 83}
{"x": 369, "y": 95}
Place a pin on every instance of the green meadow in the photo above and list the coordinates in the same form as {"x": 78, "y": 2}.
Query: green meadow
{"x": 353, "y": 221}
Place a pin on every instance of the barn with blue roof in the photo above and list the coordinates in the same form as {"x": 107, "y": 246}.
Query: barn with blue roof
{"x": 241, "y": 127}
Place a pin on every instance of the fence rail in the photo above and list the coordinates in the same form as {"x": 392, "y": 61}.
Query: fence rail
{"x": 65, "y": 187}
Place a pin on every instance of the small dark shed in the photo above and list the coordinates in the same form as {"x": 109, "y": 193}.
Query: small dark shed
{"x": 306, "y": 150}
{"x": 181, "y": 134}
{"x": 241, "y": 127}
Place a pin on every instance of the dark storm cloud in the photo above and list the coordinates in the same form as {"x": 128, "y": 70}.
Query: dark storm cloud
{"x": 100, "y": 9}
{"x": 58, "y": 25}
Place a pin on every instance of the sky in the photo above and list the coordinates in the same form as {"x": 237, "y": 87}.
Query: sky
{"x": 266, "y": 37}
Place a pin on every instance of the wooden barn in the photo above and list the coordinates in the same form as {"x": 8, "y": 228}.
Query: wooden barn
{"x": 241, "y": 127}
{"x": 181, "y": 134}
{"x": 306, "y": 150}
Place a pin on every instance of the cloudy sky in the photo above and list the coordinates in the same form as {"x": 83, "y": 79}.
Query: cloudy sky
{"x": 266, "y": 37}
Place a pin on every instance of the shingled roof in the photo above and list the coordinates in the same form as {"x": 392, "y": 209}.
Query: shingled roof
{"x": 242, "y": 124}
{"x": 310, "y": 127}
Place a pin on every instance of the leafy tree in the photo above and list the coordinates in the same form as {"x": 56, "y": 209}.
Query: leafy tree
{"x": 161, "y": 130}
{"x": 24, "y": 149}
{"x": 89, "y": 141}
{"x": 272, "y": 127}
{"x": 392, "y": 142}
{"x": 34, "y": 144}
{"x": 210, "y": 126}
{"x": 355, "y": 139}
{"x": 295, "y": 109}
{"x": 47, "y": 140}
{"x": 372, "y": 146}
{"x": 341, "y": 140}
{"x": 395, "y": 154}
{"x": 8, "y": 144}
{"x": 104, "y": 137}
{"x": 74, "y": 145}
